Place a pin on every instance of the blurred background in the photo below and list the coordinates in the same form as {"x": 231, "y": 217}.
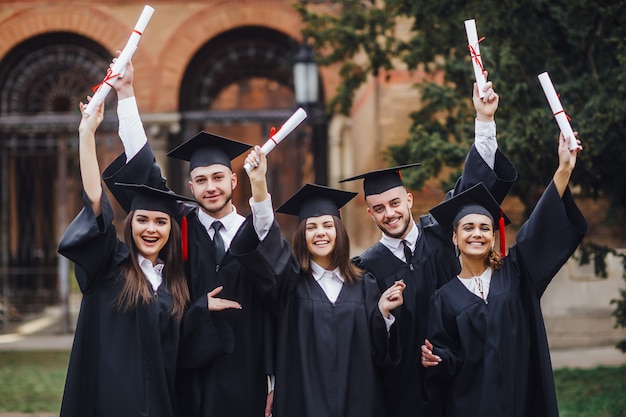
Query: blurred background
{"x": 383, "y": 82}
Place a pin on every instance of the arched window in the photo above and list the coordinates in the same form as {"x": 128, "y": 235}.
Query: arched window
{"x": 42, "y": 81}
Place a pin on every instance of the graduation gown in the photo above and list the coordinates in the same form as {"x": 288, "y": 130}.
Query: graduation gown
{"x": 122, "y": 363}
{"x": 433, "y": 264}
{"x": 228, "y": 376}
{"x": 495, "y": 355}
{"x": 327, "y": 353}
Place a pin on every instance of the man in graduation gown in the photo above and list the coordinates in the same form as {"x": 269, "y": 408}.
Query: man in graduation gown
{"x": 421, "y": 253}
{"x": 235, "y": 383}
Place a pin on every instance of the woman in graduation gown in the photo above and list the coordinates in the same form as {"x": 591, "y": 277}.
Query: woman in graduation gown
{"x": 123, "y": 359}
{"x": 333, "y": 322}
{"x": 487, "y": 348}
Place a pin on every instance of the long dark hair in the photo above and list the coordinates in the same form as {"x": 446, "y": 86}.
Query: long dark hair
{"x": 340, "y": 257}
{"x": 137, "y": 289}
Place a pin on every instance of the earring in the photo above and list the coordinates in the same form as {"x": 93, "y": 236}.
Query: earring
{"x": 456, "y": 251}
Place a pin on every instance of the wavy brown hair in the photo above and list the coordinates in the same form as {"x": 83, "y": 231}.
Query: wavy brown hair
{"x": 340, "y": 257}
{"x": 137, "y": 289}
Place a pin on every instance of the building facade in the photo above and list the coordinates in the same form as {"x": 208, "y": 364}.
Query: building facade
{"x": 223, "y": 66}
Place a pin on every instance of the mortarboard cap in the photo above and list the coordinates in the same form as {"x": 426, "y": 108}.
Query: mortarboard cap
{"x": 379, "y": 181}
{"x": 148, "y": 198}
{"x": 314, "y": 200}
{"x": 206, "y": 149}
{"x": 474, "y": 200}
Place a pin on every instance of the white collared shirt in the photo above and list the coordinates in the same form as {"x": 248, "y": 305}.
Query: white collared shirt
{"x": 395, "y": 245}
{"x": 231, "y": 223}
{"x": 263, "y": 217}
{"x": 153, "y": 273}
{"x": 479, "y": 285}
{"x": 330, "y": 281}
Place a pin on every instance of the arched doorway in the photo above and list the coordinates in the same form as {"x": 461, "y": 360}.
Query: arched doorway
{"x": 239, "y": 85}
{"x": 41, "y": 82}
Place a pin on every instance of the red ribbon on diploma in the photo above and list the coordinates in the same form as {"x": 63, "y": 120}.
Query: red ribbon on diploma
{"x": 109, "y": 76}
{"x": 563, "y": 111}
{"x": 475, "y": 56}
{"x": 273, "y": 131}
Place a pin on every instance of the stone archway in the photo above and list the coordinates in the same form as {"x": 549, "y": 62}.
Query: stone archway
{"x": 41, "y": 82}
{"x": 238, "y": 85}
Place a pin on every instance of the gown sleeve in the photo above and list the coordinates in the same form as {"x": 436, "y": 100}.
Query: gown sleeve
{"x": 385, "y": 344}
{"x": 549, "y": 237}
{"x": 498, "y": 180}
{"x": 266, "y": 259}
{"x": 141, "y": 169}
{"x": 204, "y": 336}
{"x": 442, "y": 332}
{"x": 91, "y": 243}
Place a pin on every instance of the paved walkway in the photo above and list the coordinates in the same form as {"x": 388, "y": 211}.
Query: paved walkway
{"x": 42, "y": 333}
{"x": 562, "y": 358}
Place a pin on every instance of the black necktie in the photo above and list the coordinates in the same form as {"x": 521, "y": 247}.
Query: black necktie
{"x": 408, "y": 255}
{"x": 219, "y": 242}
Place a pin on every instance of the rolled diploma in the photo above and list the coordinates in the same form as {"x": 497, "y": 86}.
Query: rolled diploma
{"x": 472, "y": 40}
{"x": 284, "y": 130}
{"x": 557, "y": 109}
{"x": 122, "y": 60}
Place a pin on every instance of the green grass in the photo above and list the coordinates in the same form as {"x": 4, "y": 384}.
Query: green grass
{"x": 599, "y": 392}
{"x": 32, "y": 381}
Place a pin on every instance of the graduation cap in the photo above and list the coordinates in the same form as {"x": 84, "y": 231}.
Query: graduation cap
{"x": 379, "y": 181}
{"x": 145, "y": 197}
{"x": 314, "y": 200}
{"x": 206, "y": 149}
{"x": 474, "y": 200}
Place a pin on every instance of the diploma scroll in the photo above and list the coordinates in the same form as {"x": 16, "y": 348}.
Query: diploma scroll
{"x": 474, "y": 49}
{"x": 557, "y": 109}
{"x": 283, "y": 131}
{"x": 120, "y": 64}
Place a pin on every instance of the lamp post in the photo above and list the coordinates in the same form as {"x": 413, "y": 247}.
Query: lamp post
{"x": 305, "y": 77}
{"x": 306, "y": 87}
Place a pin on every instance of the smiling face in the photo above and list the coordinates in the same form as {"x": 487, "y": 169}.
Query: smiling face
{"x": 391, "y": 210}
{"x": 151, "y": 231}
{"x": 213, "y": 186}
{"x": 475, "y": 236}
{"x": 320, "y": 237}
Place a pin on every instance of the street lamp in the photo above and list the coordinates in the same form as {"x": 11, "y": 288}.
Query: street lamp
{"x": 305, "y": 77}
{"x": 306, "y": 86}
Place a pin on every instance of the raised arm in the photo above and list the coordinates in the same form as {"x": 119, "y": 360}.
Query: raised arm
{"x": 258, "y": 183}
{"x": 567, "y": 162}
{"x": 131, "y": 131}
{"x": 89, "y": 169}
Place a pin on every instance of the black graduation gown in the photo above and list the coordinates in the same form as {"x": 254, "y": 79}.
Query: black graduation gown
{"x": 122, "y": 363}
{"x": 327, "y": 353}
{"x": 227, "y": 377}
{"x": 495, "y": 355}
{"x": 434, "y": 263}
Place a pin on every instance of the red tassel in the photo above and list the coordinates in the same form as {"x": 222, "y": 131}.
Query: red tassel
{"x": 184, "y": 238}
{"x": 502, "y": 235}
